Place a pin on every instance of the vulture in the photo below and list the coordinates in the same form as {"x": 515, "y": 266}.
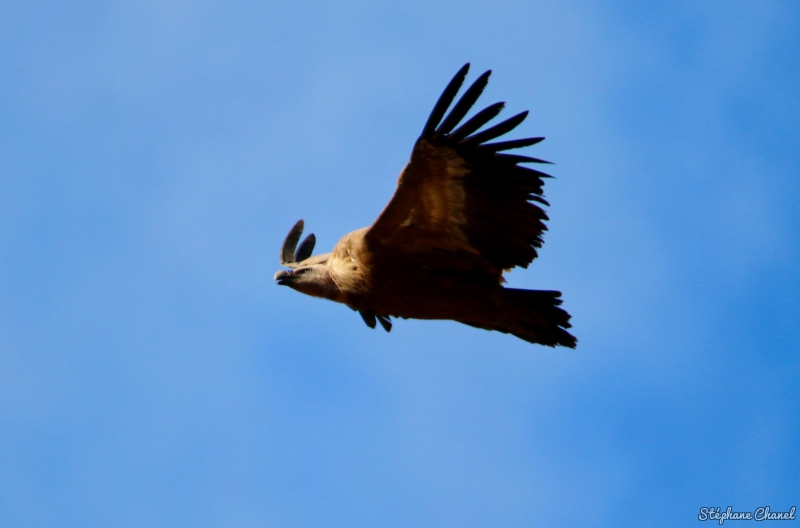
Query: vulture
{"x": 464, "y": 212}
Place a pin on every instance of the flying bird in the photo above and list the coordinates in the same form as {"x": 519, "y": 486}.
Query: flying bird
{"x": 463, "y": 213}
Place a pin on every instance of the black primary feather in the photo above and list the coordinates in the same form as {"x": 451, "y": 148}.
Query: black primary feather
{"x": 463, "y": 105}
{"x": 475, "y": 122}
{"x": 514, "y": 158}
{"x": 369, "y": 317}
{"x": 306, "y": 248}
{"x": 287, "y": 249}
{"x": 508, "y": 145}
{"x": 444, "y": 102}
{"x": 497, "y": 130}
{"x": 385, "y": 323}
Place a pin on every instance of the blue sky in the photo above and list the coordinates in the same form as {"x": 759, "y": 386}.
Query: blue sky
{"x": 154, "y": 154}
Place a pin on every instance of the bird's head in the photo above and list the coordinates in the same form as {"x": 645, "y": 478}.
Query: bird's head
{"x": 307, "y": 274}
{"x": 312, "y": 279}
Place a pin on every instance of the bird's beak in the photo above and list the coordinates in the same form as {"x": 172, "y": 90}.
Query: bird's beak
{"x": 283, "y": 277}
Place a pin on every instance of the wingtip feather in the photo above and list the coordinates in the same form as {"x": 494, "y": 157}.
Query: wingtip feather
{"x": 463, "y": 105}
{"x": 444, "y": 102}
{"x": 290, "y": 243}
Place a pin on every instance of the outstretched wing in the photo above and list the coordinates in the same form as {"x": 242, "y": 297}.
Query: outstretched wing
{"x": 462, "y": 198}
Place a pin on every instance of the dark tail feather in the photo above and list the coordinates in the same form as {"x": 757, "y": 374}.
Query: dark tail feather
{"x": 531, "y": 315}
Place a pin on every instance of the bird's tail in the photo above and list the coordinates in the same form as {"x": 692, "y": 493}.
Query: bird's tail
{"x": 531, "y": 315}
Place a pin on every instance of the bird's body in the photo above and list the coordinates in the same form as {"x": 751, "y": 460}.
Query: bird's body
{"x": 460, "y": 217}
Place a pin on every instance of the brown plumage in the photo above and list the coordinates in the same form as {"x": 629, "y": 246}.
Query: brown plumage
{"x": 462, "y": 214}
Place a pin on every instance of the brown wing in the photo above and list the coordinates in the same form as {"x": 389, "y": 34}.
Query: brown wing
{"x": 461, "y": 198}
